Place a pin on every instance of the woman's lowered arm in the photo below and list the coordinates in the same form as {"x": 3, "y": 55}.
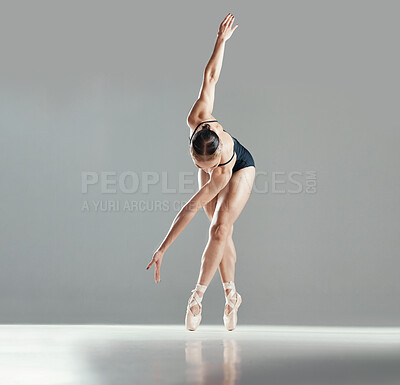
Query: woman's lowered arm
{"x": 219, "y": 179}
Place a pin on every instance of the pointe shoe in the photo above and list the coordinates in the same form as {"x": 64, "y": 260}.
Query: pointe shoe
{"x": 193, "y": 321}
{"x": 230, "y": 319}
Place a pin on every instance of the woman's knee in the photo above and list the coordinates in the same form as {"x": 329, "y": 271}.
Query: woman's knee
{"x": 220, "y": 231}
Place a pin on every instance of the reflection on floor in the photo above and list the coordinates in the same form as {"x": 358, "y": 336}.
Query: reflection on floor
{"x": 169, "y": 354}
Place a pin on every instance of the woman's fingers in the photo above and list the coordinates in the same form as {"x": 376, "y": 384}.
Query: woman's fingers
{"x": 148, "y": 266}
{"x": 226, "y": 18}
{"x": 156, "y": 260}
{"x": 226, "y": 26}
{"x": 157, "y": 273}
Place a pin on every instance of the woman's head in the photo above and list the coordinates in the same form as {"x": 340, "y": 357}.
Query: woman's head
{"x": 206, "y": 148}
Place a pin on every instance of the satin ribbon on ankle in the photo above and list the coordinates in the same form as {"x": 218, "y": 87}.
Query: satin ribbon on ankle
{"x": 231, "y": 295}
{"x": 195, "y": 297}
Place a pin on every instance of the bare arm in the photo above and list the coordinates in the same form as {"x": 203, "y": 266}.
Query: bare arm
{"x": 203, "y": 107}
{"x": 219, "y": 179}
{"x": 214, "y": 65}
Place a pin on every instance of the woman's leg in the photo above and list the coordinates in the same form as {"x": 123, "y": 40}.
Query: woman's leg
{"x": 228, "y": 262}
{"x": 209, "y": 209}
{"x": 227, "y": 265}
{"x": 230, "y": 203}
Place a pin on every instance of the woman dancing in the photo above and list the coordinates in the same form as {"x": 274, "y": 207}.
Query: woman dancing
{"x": 226, "y": 176}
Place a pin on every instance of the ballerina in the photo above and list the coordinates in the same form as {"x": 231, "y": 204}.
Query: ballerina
{"x": 226, "y": 176}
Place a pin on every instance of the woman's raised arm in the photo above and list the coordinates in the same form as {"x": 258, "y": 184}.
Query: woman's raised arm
{"x": 225, "y": 31}
{"x": 203, "y": 106}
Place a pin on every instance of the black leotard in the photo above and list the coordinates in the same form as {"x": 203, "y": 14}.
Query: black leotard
{"x": 243, "y": 158}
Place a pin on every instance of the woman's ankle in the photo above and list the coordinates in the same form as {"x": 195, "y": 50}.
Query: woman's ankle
{"x": 200, "y": 289}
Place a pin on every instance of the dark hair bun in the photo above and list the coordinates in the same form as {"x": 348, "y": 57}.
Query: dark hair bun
{"x": 205, "y": 141}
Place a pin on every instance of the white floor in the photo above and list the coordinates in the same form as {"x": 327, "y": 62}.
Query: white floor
{"x": 165, "y": 354}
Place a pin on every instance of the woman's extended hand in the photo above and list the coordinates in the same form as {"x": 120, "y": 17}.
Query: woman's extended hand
{"x": 156, "y": 260}
{"x": 225, "y": 29}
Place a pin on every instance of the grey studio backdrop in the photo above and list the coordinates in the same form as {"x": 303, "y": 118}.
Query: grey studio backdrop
{"x": 309, "y": 87}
